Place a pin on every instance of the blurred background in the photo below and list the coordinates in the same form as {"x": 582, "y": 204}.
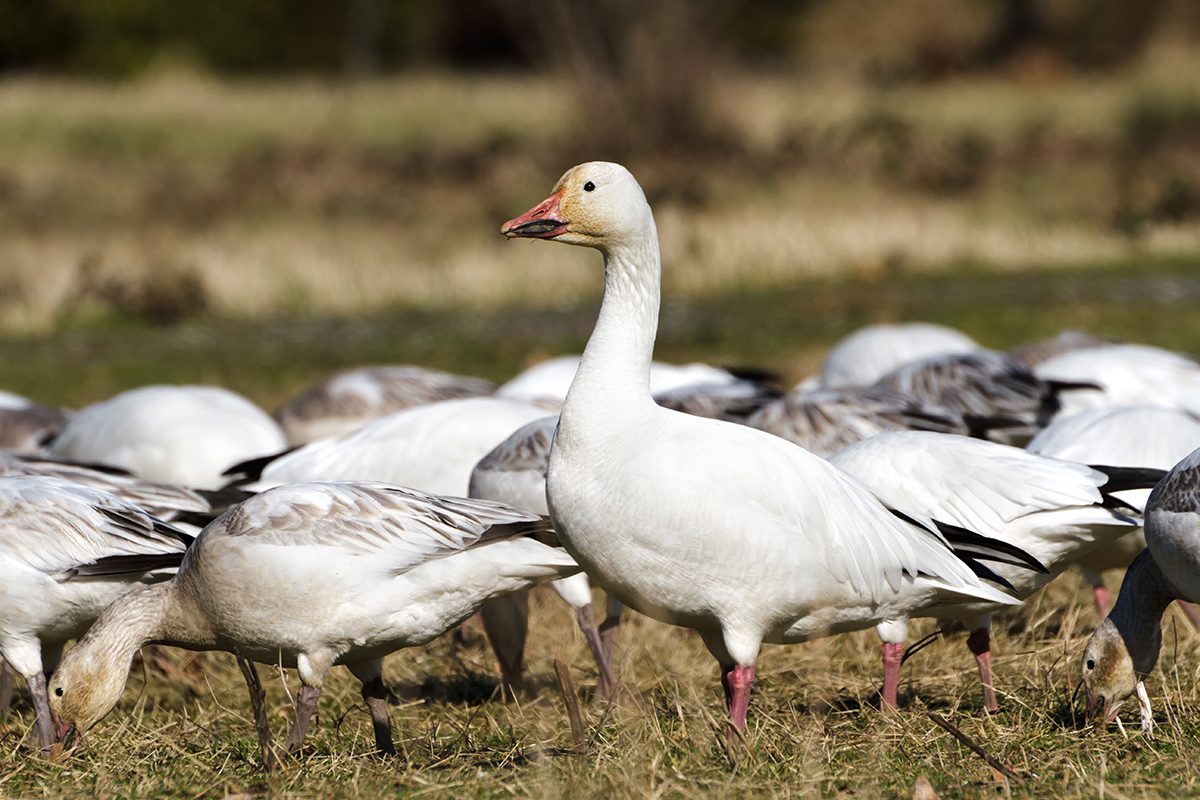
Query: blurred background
{"x": 253, "y": 193}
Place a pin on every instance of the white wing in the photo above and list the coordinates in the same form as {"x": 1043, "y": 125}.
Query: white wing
{"x": 404, "y": 527}
{"x": 812, "y": 509}
{"x": 982, "y": 486}
{"x": 432, "y": 447}
{"x": 59, "y": 527}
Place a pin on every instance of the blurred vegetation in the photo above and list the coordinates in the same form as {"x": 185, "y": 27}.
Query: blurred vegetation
{"x": 889, "y": 40}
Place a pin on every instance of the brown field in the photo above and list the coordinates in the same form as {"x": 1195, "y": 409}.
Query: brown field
{"x": 260, "y": 234}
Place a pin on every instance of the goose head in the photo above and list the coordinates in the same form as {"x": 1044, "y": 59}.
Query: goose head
{"x": 598, "y": 204}
{"x": 83, "y": 689}
{"x": 1109, "y": 676}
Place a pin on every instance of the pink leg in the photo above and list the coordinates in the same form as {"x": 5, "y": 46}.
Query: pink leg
{"x": 1103, "y": 600}
{"x": 892, "y": 654}
{"x": 1190, "y": 612}
{"x": 738, "y": 680}
{"x": 980, "y": 643}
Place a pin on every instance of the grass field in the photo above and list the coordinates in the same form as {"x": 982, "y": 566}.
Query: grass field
{"x": 260, "y": 235}
{"x": 814, "y": 729}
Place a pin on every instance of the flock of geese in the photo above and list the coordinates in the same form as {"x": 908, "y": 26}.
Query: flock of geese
{"x": 919, "y": 474}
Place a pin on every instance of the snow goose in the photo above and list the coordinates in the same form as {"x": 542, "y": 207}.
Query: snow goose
{"x": 1124, "y": 648}
{"x": 515, "y": 473}
{"x": 550, "y": 379}
{"x": 824, "y": 421}
{"x": 310, "y": 575}
{"x": 432, "y": 447}
{"x": 186, "y": 435}
{"x": 1127, "y": 374}
{"x": 1134, "y": 436}
{"x": 983, "y": 385}
{"x": 1053, "y": 510}
{"x": 26, "y": 426}
{"x": 869, "y": 353}
{"x": 66, "y": 552}
{"x": 731, "y": 531}
{"x": 352, "y": 398}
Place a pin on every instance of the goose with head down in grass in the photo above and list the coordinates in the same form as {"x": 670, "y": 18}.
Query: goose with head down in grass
{"x": 309, "y": 575}
{"x": 1124, "y": 649}
{"x": 731, "y": 531}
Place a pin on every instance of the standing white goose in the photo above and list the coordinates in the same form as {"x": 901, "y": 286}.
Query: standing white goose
{"x": 728, "y": 530}
{"x": 1054, "y": 510}
{"x": 1124, "y": 648}
{"x": 66, "y": 552}
{"x": 310, "y": 575}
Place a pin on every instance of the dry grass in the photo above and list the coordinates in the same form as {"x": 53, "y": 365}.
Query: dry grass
{"x": 309, "y": 197}
{"x": 814, "y": 728}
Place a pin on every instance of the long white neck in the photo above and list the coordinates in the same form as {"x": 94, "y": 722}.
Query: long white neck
{"x": 614, "y": 372}
{"x": 159, "y": 613}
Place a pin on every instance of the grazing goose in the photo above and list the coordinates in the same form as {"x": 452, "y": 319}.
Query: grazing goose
{"x": 26, "y": 426}
{"x": 186, "y": 435}
{"x": 731, "y": 531}
{"x": 310, "y": 575}
{"x": 982, "y": 385}
{"x": 1126, "y": 374}
{"x": 869, "y": 353}
{"x": 1053, "y": 510}
{"x": 515, "y": 473}
{"x": 66, "y": 552}
{"x": 824, "y": 421}
{"x": 550, "y": 379}
{"x": 1124, "y": 648}
{"x": 1134, "y": 436}
{"x": 350, "y": 399}
{"x": 432, "y": 447}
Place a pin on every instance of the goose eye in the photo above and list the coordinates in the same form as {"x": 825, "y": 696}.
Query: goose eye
{"x": 589, "y": 187}
{"x": 58, "y": 691}
{"x": 1091, "y": 664}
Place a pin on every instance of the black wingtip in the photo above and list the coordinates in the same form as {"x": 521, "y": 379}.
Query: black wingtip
{"x": 251, "y": 469}
{"x": 986, "y": 548}
{"x": 1123, "y": 478}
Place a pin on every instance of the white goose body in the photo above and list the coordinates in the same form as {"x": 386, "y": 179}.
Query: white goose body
{"x": 550, "y": 379}
{"x": 350, "y": 399}
{"x": 67, "y": 552}
{"x": 869, "y": 353}
{"x": 341, "y": 572}
{"x": 1128, "y": 374}
{"x": 431, "y": 447}
{"x": 316, "y": 574}
{"x": 749, "y": 539}
{"x": 186, "y": 435}
{"x": 731, "y": 531}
